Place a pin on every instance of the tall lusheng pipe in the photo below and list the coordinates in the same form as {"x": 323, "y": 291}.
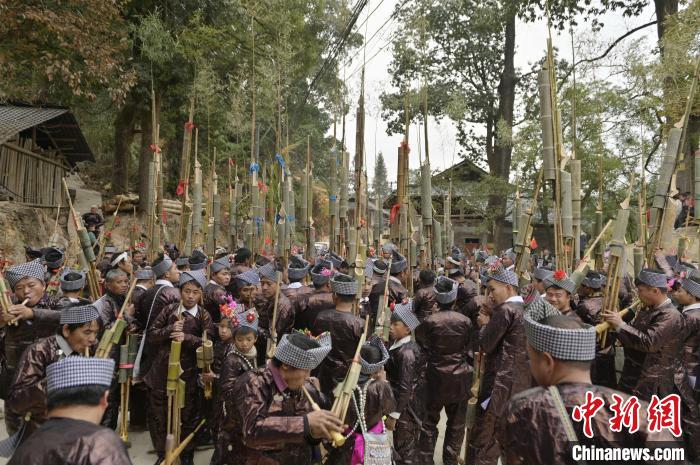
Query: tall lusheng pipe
{"x": 566, "y": 213}
{"x": 547, "y": 123}
{"x": 447, "y": 220}
{"x": 343, "y": 213}
{"x": 427, "y": 191}
{"x": 333, "y": 197}
{"x": 521, "y": 246}
{"x": 185, "y": 176}
{"x": 254, "y": 167}
{"x": 437, "y": 234}
{"x": 235, "y": 195}
{"x": 356, "y": 238}
{"x": 576, "y": 205}
{"x": 197, "y": 204}
{"x": 310, "y": 230}
{"x": 212, "y": 201}
{"x": 516, "y": 216}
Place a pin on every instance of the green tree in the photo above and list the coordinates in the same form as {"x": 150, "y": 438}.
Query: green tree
{"x": 380, "y": 183}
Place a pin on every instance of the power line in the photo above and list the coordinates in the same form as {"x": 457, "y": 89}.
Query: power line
{"x": 389, "y": 42}
{"x": 392, "y": 17}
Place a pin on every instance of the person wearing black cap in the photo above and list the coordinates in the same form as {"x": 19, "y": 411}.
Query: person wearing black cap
{"x": 54, "y": 259}
{"x": 76, "y": 390}
{"x": 373, "y": 399}
{"x": 198, "y": 260}
{"x": 560, "y": 353}
{"x": 72, "y": 284}
{"x": 183, "y": 263}
{"x": 405, "y": 372}
{"x": 186, "y": 322}
{"x": 309, "y": 306}
{"x": 265, "y": 305}
{"x": 345, "y": 329}
{"x": 652, "y": 341}
{"x": 589, "y": 310}
{"x": 215, "y": 290}
{"x": 502, "y": 341}
{"x": 296, "y": 272}
{"x": 444, "y": 336}
{"x": 145, "y": 279}
{"x": 424, "y": 297}
{"x": 79, "y": 328}
{"x": 278, "y": 423}
{"x": 33, "y": 313}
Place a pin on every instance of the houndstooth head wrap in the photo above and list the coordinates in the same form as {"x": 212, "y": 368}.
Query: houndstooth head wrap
{"x": 404, "y": 312}
{"x": 247, "y": 278}
{"x": 182, "y": 261}
{"x": 369, "y": 268}
{"x": 79, "y": 371}
{"x": 651, "y": 278}
{"x": 379, "y": 267}
{"x": 268, "y": 271}
{"x": 562, "y": 344}
{"x": 303, "y": 359}
{"x": 594, "y": 280}
{"x": 298, "y": 267}
{"x": 197, "y": 276}
{"x": 76, "y": 281}
{"x": 504, "y": 276}
{"x": 372, "y": 368}
{"x": 79, "y": 314}
{"x": 220, "y": 264}
{"x": 510, "y": 254}
{"x": 445, "y": 297}
{"x": 336, "y": 259}
{"x": 197, "y": 261}
{"x": 398, "y": 263}
{"x": 33, "y": 269}
{"x": 145, "y": 273}
{"x": 561, "y": 280}
{"x": 388, "y": 247}
{"x": 161, "y": 268}
{"x": 692, "y": 287}
{"x": 343, "y": 287}
{"x": 321, "y": 273}
{"x": 455, "y": 271}
{"x": 542, "y": 273}
{"x": 244, "y": 319}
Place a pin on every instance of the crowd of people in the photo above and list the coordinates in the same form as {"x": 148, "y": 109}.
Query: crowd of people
{"x": 513, "y": 360}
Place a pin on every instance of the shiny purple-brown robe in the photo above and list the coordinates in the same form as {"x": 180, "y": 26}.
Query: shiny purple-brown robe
{"x": 424, "y": 302}
{"x": 603, "y": 368}
{"x": 147, "y": 309}
{"x": 297, "y": 293}
{"x": 506, "y": 372}
{"x": 272, "y": 419}
{"x": 156, "y": 378}
{"x": 266, "y": 310}
{"x": 309, "y": 306}
{"x": 534, "y": 434}
{"x": 396, "y": 293}
{"x": 65, "y": 441}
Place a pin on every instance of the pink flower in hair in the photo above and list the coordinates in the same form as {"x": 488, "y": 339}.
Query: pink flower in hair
{"x": 326, "y": 272}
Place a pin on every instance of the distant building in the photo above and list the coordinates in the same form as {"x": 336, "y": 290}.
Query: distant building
{"x": 39, "y": 146}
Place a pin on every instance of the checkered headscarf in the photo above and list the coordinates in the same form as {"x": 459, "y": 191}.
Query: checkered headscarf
{"x": 404, "y": 312}
{"x": 562, "y": 344}
{"x": 298, "y": 267}
{"x": 398, "y": 263}
{"x": 75, "y": 284}
{"x": 79, "y": 314}
{"x": 33, "y": 269}
{"x": 388, "y": 247}
{"x": 376, "y": 269}
{"x": 372, "y": 368}
{"x": 594, "y": 280}
{"x": 561, "y": 280}
{"x": 446, "y": 297}
{"x": 692, "y": 287}
{"x": 651, "y": 278}
{"x": 303, "y": 359}
{"x": 369, "y": 268}
{"x": 79, "y": 371}
{"x": 220, "y": 264}
{"x": 504, "y": 276}
{"x": 197, "y": 261}
{"x": 197, "y": 276}
{"x": 145, "y": 273}
{"x": 244, "y": 319}
{"x": 542, "y": 273}
{"x": 248, "y": 278}
{"x": 268, "y": 271}
{"x": 318, "y": 277}
{"x": 161, "y": 268}
{"x": 342, "y": 287}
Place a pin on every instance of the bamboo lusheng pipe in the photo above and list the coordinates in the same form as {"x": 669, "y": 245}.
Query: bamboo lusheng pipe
{"x": 333, "y": 197}
{"x": 336, "y": 437}
{"x": 382, "y": 327}
{"x": 272, "y": 340}
{"x": 427, "y": 192}
{"x": 343, "y": 392}
{"x": 174, "y": 370}
{"x": 175, "y": 452}
{"x": 310, "y": 235}
{"x": 525, "y": 229}
{"x": 576, "y": 205}
{"x": 205, "y": 358}
{"x": 479, "y": 364}
{"x": 132, "y": 349}
{"x": 547, "y": 123}
{"x": 86, "y": 246}
{"x": 107, "y": 231}
{"x": 581, "y": 270}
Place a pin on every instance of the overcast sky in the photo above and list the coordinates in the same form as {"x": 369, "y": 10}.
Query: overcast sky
{"x": 530, "y": 47}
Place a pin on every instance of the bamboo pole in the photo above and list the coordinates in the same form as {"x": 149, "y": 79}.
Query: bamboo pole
{"x": 185, "y": 175}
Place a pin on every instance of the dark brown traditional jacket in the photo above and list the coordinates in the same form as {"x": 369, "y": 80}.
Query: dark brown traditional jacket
{"x": 466, "y": 300}
{"x": 424, "y": 302}
{"x": 506, "y": 371}
{"x": 28, "y": 391}
{"x": 266, "y": 310}
{"x": 214, "y": 295}
{"x": 136, "y": 296}
{"x": 272, "y": 418}
{"x": 27, "y": 332}
{"x": 445, "y": 339}
{"x": 309, "y": 306}
{"x": 603, "y": 368}
{"x": 149, "y": 307}
{"x": 346, "y": 330}
{"x": 652, "y": 343}
{"x": 396, "y": 293}
{"x": 405, "y": 371}
{"x": 62, "y": 302}
{"x": 379, "y": 402}
{"x": 64, "y": 441}
{"x": 691, "y": 345}
{"x": 229, "y": 443}
{"x": 159, "y": 334}
{"x": 295, "y": 294}
{"x": 534, "y": 432}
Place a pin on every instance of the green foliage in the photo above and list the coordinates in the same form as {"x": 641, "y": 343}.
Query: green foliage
{"x": 380, "y": 183}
